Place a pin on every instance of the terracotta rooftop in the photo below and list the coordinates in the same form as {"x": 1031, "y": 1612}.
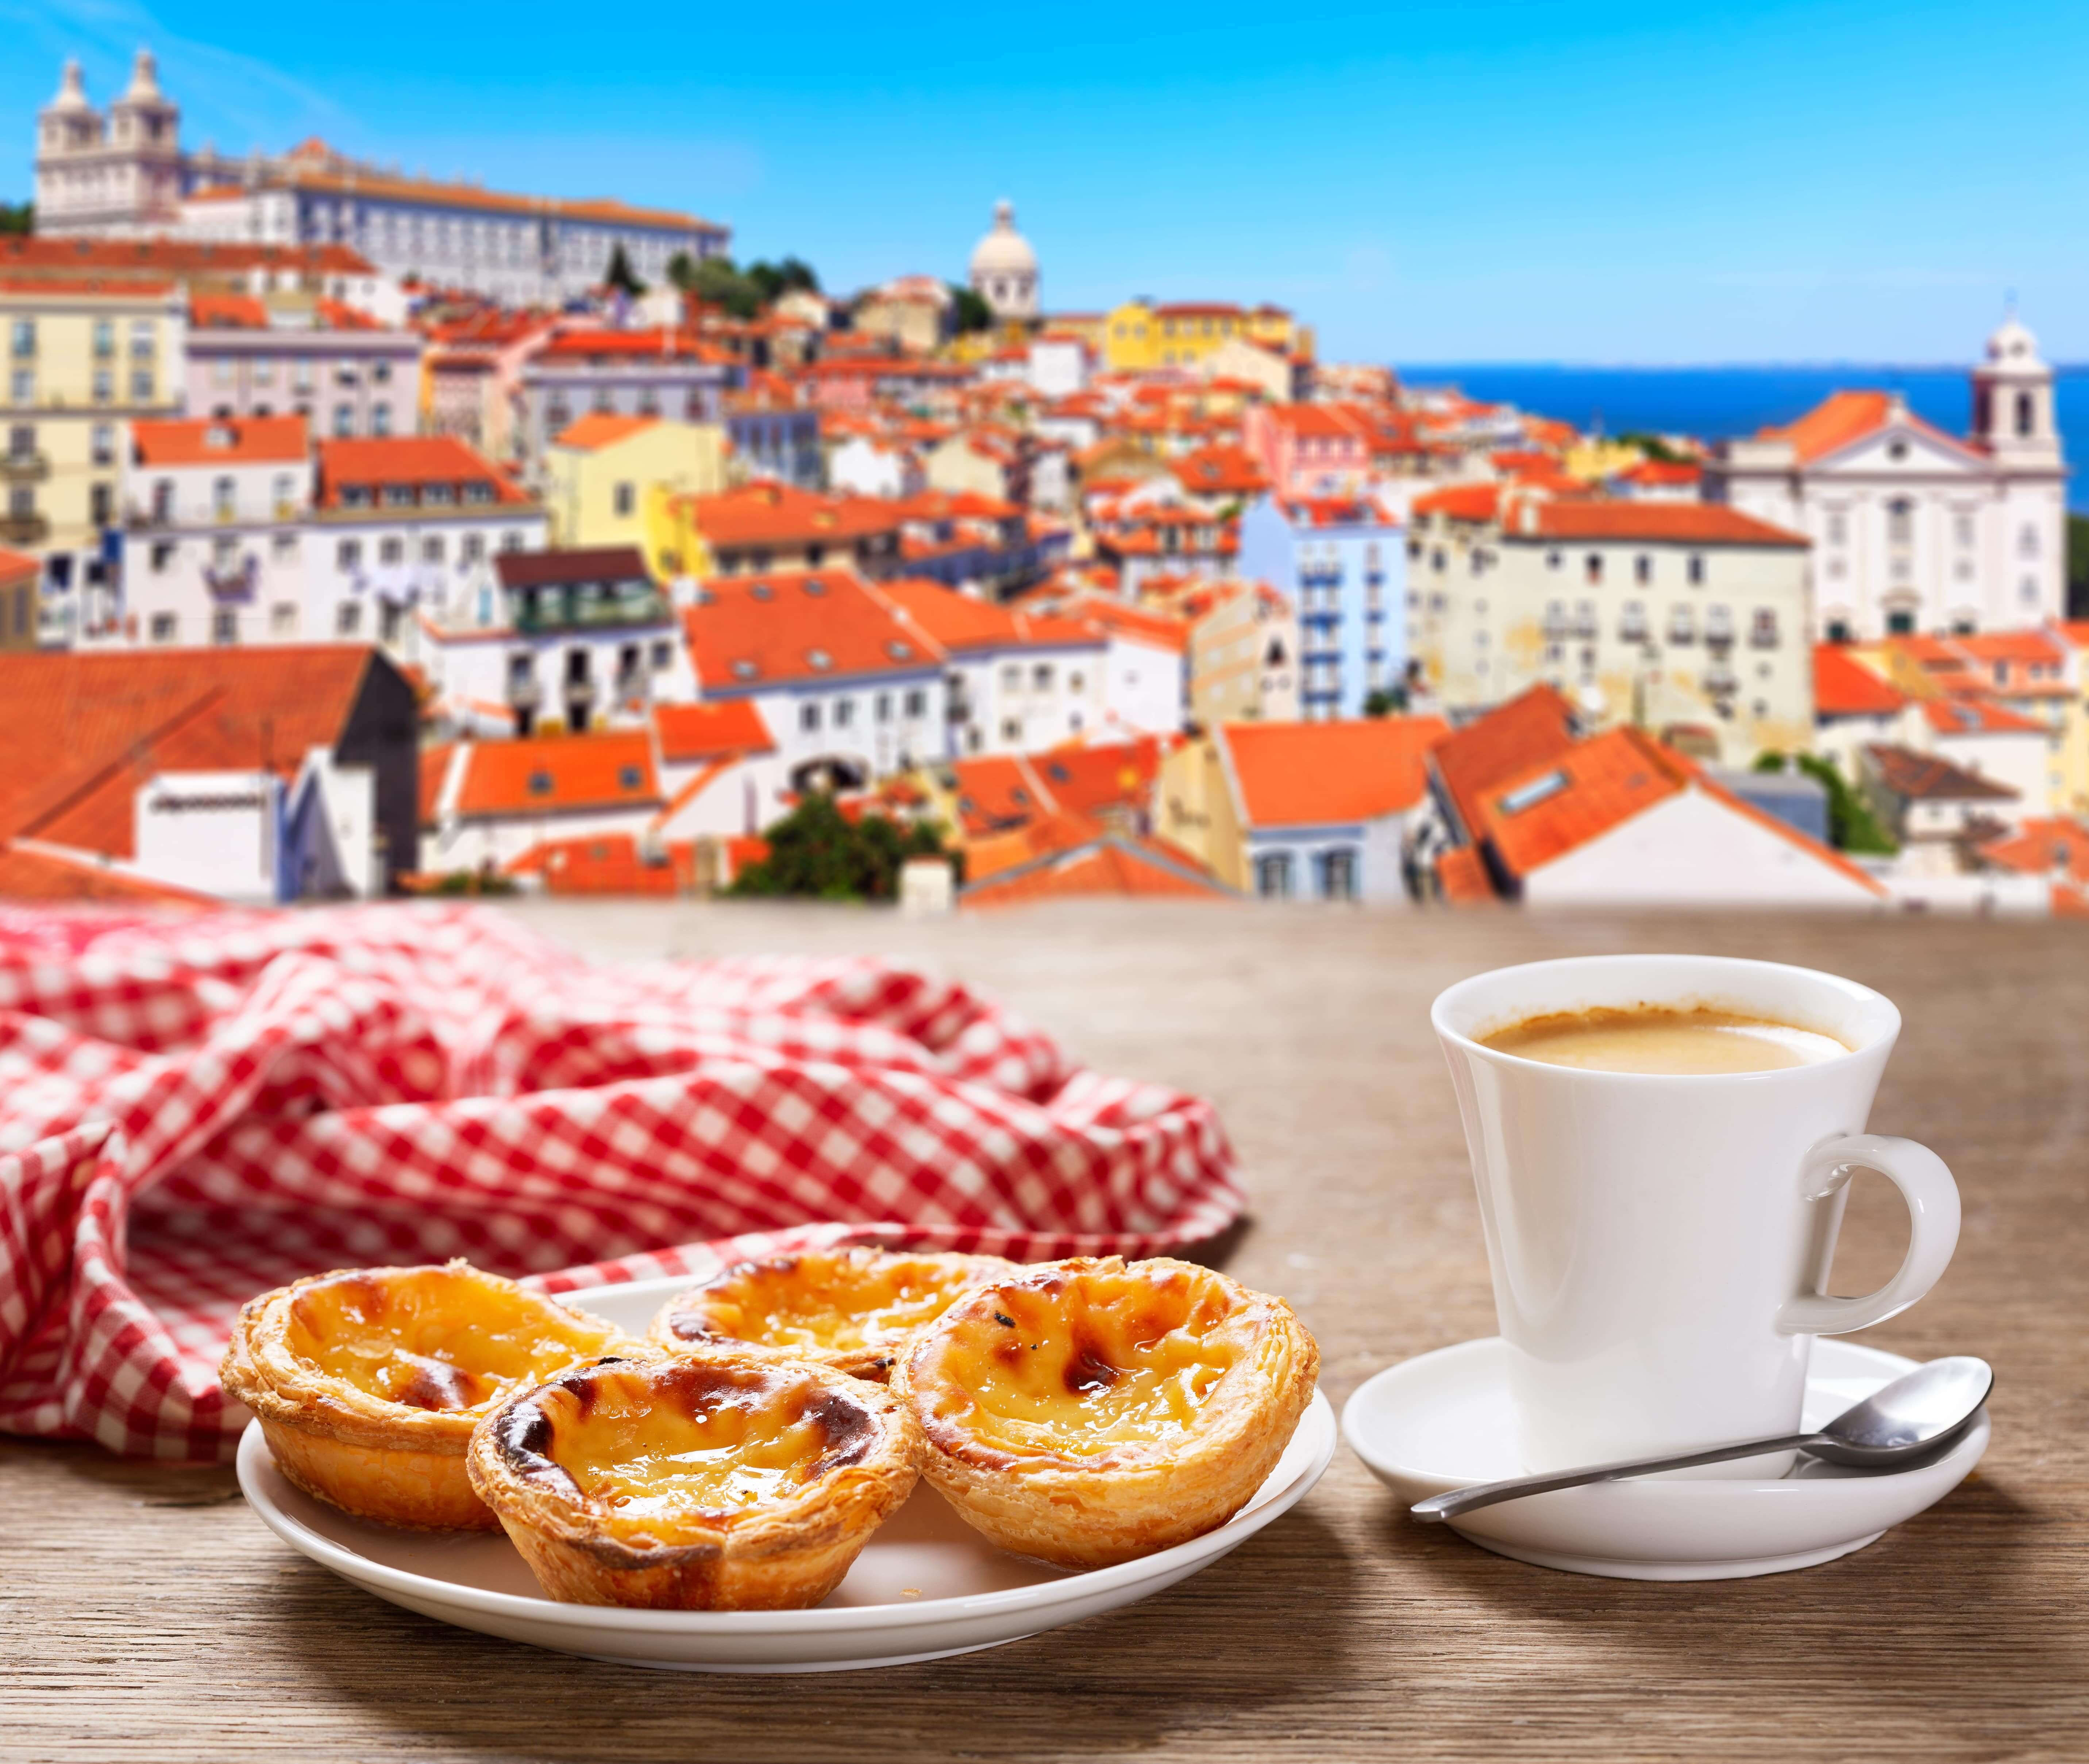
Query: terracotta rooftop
{"x": 1841, "y": 418}
{"x": 598, "y": 429}
{"x": 1317, "y": 774}
{"x": 1924, "y": 777}
{"x": 710, "y": 730}
{"x": 1844, "y": 687}
{"x": 747, "y": 633}
{"x": 541, "y": 774}
{"x": 219, "y": 441}
{"x": 83, "y": 731}
{"x": 1536, "y": 726}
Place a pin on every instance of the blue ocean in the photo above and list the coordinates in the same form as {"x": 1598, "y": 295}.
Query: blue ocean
{"x": 1716, "y": 402}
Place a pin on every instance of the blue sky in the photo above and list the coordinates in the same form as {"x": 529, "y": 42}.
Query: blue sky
{"x": 1485, "y": 181}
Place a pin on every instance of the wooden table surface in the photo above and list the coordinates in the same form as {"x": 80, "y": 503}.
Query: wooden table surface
{"x": 148, "y": 1616}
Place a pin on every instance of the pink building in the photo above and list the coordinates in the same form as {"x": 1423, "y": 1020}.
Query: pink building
{"x": 297, "y": 354}
{"x": 1309, "y": 450}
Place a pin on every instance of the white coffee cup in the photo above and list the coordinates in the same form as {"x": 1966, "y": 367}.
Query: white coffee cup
{"x": 1659, "y": 1243}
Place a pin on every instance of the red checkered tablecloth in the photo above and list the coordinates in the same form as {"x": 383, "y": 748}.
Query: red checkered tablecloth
{"x": 193, "y": 1110}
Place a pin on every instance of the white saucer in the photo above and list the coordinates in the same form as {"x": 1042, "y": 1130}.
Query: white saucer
{"x": 1443, "y": 1421}
{"x": 926, "y": 1585}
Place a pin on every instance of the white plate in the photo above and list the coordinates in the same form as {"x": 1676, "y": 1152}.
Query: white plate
{"x": 1442, "y": 1420}
{"x": 926, "y": 1585}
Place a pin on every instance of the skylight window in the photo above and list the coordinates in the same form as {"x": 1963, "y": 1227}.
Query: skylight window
{"x": 761, "y": 591}
{"x": 899, "y": 651}
{"x": 629, "y": 777}
{"x": 744, "y": 670}
{"x": 1531, "y": 795}
{"x": 819, "y": 659}
{"x": 540, "y": 784}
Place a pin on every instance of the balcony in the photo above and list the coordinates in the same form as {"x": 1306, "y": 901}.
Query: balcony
{"x": 235, "y": 581}
{"x": 552, "y": 610}
{"x": 23, "y": 530}
{"x": 524, "y": 693}
{"x": 24, "y": 468}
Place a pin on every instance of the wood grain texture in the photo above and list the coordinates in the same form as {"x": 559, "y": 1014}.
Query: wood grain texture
{"x": 147, "y": 1615}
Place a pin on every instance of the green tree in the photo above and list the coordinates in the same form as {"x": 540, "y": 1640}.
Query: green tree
{"x": 1386, "y": 701}
{"x": 971, "y": 311}
{"x": 619, "y": 275}
{"x": 1653, "y": 447}
{"x": 817, "y": 851}
{"x": 2077, "y": 566}
{"x": 17, "y": 217}
{"x": 773, "y": 280}
{"x": 1851, "y": 825}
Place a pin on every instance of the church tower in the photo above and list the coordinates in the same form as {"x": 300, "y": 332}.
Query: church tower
{"x": 144, "y": 128}
{"x": 2013, "y": 415}
{"x": 119, "y": 176}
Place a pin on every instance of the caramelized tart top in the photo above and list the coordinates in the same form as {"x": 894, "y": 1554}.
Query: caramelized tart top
{"x": 842, "y": 1305}
{"x": 447, "y": 1339}
{"x": 645, "y": 1445}
{"x": 1082, "y": 1361}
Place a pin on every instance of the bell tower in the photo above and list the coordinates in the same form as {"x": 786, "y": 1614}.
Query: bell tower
{"x": 2013, "y": 415}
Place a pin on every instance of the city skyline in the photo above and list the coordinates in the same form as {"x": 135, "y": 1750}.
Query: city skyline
{"x": 1489, "y": 185}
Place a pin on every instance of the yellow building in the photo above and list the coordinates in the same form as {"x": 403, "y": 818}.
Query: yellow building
{"x": 600, "y": 471}
{"x": 82, "y": 359}
{"x": 1141, "y": 335}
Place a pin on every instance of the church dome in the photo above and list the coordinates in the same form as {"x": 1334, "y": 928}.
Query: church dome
{"x": 72, "y": 94}
{"x": 144, "y": 81}
{"x": 1003, "y": 251}
{"x": 2013, "y": 343}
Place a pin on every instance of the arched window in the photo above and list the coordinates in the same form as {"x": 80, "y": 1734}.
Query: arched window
{"x": 2027, "y": 414}
{"x": 1338, "y": 874}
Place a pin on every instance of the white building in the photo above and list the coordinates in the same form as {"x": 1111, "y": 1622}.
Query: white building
{"x": 1657, "y": 614}
{"x": 214, "y": 541}
{"x": 128, "y": 175}
{"x": 571, "y": 640}
{"x": 865, "y": 465}
{"x": 850, "y": 689}
{"x": 1913, "y": 529}
{"x": 273, "y": 354}
{"x": 1004, "y": 268}
{"x": 407, "y": 523}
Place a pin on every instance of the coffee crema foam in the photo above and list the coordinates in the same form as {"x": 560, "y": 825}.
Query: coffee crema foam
{"x": 1658, "y": 1040}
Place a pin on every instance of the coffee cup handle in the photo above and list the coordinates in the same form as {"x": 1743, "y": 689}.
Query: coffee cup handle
{"x": 1933, "y": 1206}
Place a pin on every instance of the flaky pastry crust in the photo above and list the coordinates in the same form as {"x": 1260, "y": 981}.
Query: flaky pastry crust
{"x": 368, "y": 1382}
{"x": 850, "y": 1310}
{"x": 1087, "y": 1412}
{"x": 705, "y": 1481}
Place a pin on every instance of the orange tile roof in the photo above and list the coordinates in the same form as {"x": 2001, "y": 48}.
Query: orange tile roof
{"x": 710, "y": 730}
{"x": 749, "y": 632}
{"x": 1109, "y": 864}
{"x": 543, "y": 774}
{"x": 1318, "y": 774}
{"x": 229, "y": 312}
{"x": 321, "y": 171}
{"x": 781, "y": 514}
{"x": 1843, "y": 418}
{"x": 1844, "y": 687}
{"x": 1163, "y": 631}
{"x": 2037, "y": 645}
{"x": 1659, "y": 523}
{"x": 2043, "y": 846}
{"x": 219, "y": 440}
{"x": 1538, "y": 815}
{"x": 1604, "y": 780}
{"x": 1926, "y": 777}
{"x": 167, "y": 256}
{"x": 1461, "y": 502}
{"x": 606, "y": 863}
{"x": 1664, "y": 472}
{"x": 1461, "y": 873}
{"x": 998, "y": 791}
{"x": 417, "y": 460}
{"x": 83, "y": 731}
{"x": 1970, "y": 713}
{"x": 1535, "y": 726}
{"x": 598, "y": 429}
{"x": 27, "y": 874}
{"x": 959, "y": 622}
